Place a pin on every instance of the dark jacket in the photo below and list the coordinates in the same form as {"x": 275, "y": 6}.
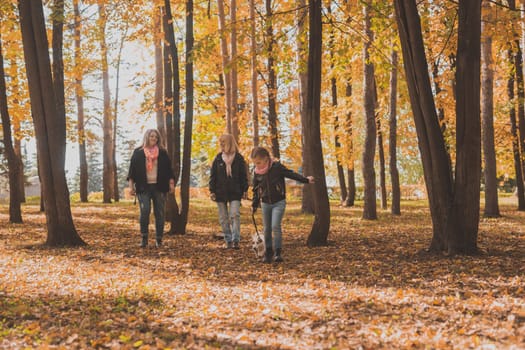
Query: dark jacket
{"x": 137, "y": 170}
{"x": 226, "y": 188}
{"x": 270, "y": 187}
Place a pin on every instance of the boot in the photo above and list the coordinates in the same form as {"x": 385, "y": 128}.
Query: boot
{"x": 268, "y": 253}
{"x": 144, "y": 242}
{"x": 278, "y": 258}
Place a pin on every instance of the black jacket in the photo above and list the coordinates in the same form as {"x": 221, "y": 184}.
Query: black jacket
{"x": 137, "y": 170}
{"x": 270, "y": 187}
{"x": 226, "y": 188}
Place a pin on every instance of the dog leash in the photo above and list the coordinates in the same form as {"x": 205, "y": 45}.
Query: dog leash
{"x": 255, "y": 225}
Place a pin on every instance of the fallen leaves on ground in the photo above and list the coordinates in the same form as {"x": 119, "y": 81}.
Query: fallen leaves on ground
{"x": 370, "y": 288}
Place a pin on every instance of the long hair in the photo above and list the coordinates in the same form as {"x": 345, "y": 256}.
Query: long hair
{"x": 160, "y": 141}
{"x": 230, "y": 146}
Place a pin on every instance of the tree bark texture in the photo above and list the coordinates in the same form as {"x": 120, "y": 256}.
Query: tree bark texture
{"x": 107, "y": 127}
{"x": 487, "y": 118}
{"x": 272, "y": 82}
{"x": 321, "y": 226}
{"x": 51, "y": 143}
{"x": 79, "y": 97}
{"x": 350, "y": 171}
{"x": 225, "y": 65}
{"x": 307, "y": 201}
{"x": 188, "y": 124}
{"x": 454, "y": 205}
{"x": 394, "y": 172}
{"x": 253, "y": 68}
{"x": 369, "y": 174}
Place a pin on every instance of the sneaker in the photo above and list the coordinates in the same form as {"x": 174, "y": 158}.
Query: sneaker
{"x": 236, "y": 245}
{"x": 228, "y": 245}
{"x": 144, "y": 243}
{"x": 158, "y": 243}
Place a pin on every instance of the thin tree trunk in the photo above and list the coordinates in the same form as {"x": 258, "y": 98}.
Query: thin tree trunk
{"x": 15, "y": 212}
{"x": 369, "y": 174}
{"x": 172, "y": 110}
{"x": 394, "y": 173}
{"x": 79, "y": 96}
{"x": 116, "y": 193}
{"x": 321, "y": 227}
{"x": 302, "y": 61}
{"x": 233, "y": 71}
{"x": 159, "y": 73}
{"x": 350, "y": 199}
{"x": 225, "y": 65}
{"x": 272, "y": 82}
{"x": 188, "y": 124}
{"x": 515, "y": 139}
{"x": 107, "y": 128}
{"x": 382, "y": 166}
{"x": 253, "y": 67}
{"x": 337, "y": 142}
{"x": 487, "y": 118}
{"x": 49, "y": 127}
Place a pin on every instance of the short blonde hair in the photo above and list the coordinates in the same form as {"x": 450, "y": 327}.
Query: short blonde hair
{"x": 160, "y": 141}
{"x": 230, "y": 146}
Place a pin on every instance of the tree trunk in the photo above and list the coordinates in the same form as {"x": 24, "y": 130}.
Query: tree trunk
{"x": 253, "y": 67}
{"x": 188, "y": 123}
{"x": 454, "y": 205}
{"x": 15, "y": 212}
{"x": 487, "y": 118}
{"x": 394, "y": 173}
{"x": 337, "y": 142}
{"x": 79, "y": 96}
{"x": 350, "y": 198}
{"x": 436, "y": 167}
{"x": 382, "y": 166}
{"x": 116, "y": 192}
{"x": 172, "y": 113}
{"x": 369, "y": 174}
{"x": 515, "y": 139}
{"x": 233, "y": 71}
{"x": 307, "y": 201}
{"x": 50, "y": 127}
{"x": 321, "y": 226}
{"x": 225, "y": 65}
{"x": 272, "y": 82}
{"x": 107, "y": 128}
{"x": 463, "y": 237}
{"x": 159, "y": 73}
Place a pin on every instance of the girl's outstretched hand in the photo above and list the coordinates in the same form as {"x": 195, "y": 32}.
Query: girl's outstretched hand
{"x": 311, "y": 179}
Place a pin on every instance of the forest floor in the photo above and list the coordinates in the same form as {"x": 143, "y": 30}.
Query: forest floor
{"x": 373, "y": 287}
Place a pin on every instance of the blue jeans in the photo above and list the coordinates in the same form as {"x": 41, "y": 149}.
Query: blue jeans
{"x": 159, "y": 199}
{"x": 272, "y": 215}
{"x": 230, "y": 220}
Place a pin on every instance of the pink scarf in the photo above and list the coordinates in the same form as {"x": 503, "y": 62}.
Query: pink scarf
{"x": 228, "y": 159}
{"x": 152, "y": 153}
{"x": 263, "y": 170}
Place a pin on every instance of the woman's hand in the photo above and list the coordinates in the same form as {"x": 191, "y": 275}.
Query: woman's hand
{"x": 172, "y": 186}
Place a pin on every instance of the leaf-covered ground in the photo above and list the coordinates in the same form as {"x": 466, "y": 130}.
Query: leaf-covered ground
{"x": 371, "y": 288}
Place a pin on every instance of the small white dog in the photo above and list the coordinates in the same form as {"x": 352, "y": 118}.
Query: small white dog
{"x": 258, "y": 245}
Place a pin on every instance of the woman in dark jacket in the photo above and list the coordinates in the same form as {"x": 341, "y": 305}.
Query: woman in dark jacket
{"x": 269, "y": 188}
{"x": 150, "y": 176}
{"x": 228, "y": 185}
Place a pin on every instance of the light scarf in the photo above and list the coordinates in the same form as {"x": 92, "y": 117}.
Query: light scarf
{"x": 152, "y": 153}
{"x": 264, "y": 169}
{"x": 228, "y": 159}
